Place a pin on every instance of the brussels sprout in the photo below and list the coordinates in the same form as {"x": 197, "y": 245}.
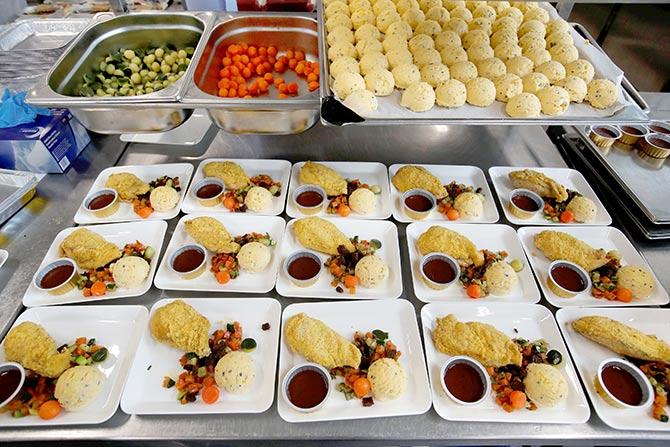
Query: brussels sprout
{"x": 135, "y": 78}
{"x": 159, "y": 52}
{"x": 129, "y": 54}
{"x": 110, "y": 69}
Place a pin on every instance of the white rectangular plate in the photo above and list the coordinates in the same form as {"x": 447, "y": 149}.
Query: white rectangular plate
{"x": 399, "y": 320}
{"x": 370, "y": 173}
{"x": 607, "y": 238}
{"x": 279, "y": 170}
{"x": 569, "y": 178}
{"x": 492, "y": 237}
{"x": 149, "y": 233}
{"x": 236, "y": 225}
{"x": 146, "y": 173}
{"x": 144, "y": 392}
{"x": 532, "y": 322}
{"x": 384, "y": 231}
{"x": 468, "y": 175}
{"x": 118, "y": 328}
{"x": 588, "y": 355}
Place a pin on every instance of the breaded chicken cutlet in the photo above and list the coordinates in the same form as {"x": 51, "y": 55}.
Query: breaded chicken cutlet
{"x": 538, "y": 183}
{"x": 128, "y": 186}
{"x": 88, "y": 249}
{"x": 410, "y": 177}
{"x": 321, "y": 235}
{"x": 211, "y": 234}
{"x": 443, "y": 240}
{"x": 231, "y": 173}
{"x": 623, "y": 339}
{"x": 557, "y": 245}
{"x": 30, "y": 345}
{"x": 181, "y": 326}
{"x": 329, "y": 179}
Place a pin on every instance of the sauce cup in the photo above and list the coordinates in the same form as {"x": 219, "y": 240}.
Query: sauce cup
{"x": 303, "y": 282}
{"x": 561, "y": 291}
{"x": 483, "y": 374}
{"x": 661, "y": 127}
{"x": 520, "y": 212}
{"x": 635, "y": 372}
{"x": 604, "y": 136}
{"x": 197, "y": 270}
{"x": 418, "y": 214}
{"x": 631, "y": 134}
{"x": 106, "y": 210}
{"x": 9, "y": 366}
{"x": 309, "y": 209}
{"x": 209, "y": 201}
{"x": 65, "y": 286}
{"x": 435, "y": 285}
{"x": 293, "y": 372}
{"x": 656, "y": 145}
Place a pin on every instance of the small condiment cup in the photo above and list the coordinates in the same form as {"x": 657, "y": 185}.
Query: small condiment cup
{"x": 603, "y": 141}
{"x": 300, "y": 254}
{"x": 9, "y": 366}
{"x": 483, "y": 374}
{"x": 212, "y": 201}
{"x": 652, "y": 149}
{"x": 66, "y": 285}
{"x": 108, "y": 210}
{"x": 309, "y": 210}
{"x": 561, "y": 291}
{"x": 638, "y": 375}
{"x": 662, "y": 124}
{"x": 629, "y": 139}
{"x": 196, "y": 271}
{"x": 414, "y": 214}
{"x": 451, "y": 261}
{"x": 295, "y": 370}
{"x": 521, "y": 213}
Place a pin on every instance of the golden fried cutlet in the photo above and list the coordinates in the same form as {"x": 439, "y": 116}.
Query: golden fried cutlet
{"x": 329, "y": 179}
{"x": 443, "y": 240}
{"x": 410, "y": 177}
{"x": 179, "y": 325}
{"x": 30, "y": 345}
{"x": 128, "y": 186}
{"x": 88, "y": 249}
{"x": 538, "y": 183}
{"x": 231, "y": 173}
{"x": 321, "y": 235}
{"x": 557, "y": 245}
{"x": 211, "y": 234}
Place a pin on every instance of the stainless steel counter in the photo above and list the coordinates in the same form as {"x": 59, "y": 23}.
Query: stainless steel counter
{"x": 28, "y": 235}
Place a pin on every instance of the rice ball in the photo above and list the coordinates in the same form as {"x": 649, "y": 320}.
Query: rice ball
{"x": 405, "y": 5}
{"x": 575, "y": 86}
{"x": 386, "y": 18}
{"x": 504, "y": 23}
{"x": 164, "y": 198}
{"x": 564, "y": 53}
{"x": 346, "y": 83}
{"x": 254, "y": 257}
{"x": 469, "y": 205}
{"x": 130, "y": 271}
{"x": 479, "y": 52}
{"x": 524, "y": 6}
{"x": 451, "y": 4}
{"x": 418, "y": 97}
{"x": 362, "y": 201}
{"x": 554, "y": 100}
{"x": 539, "y": 14}
{"x": 453, "y": 55}
{"x": 380, "y": 81}
{"x": 400, "y": 29}
{"x": 337, "y": 7}
{"x": 77, "y": 387}
{"x": 637, "y": 279}
{"x": 429, "y": 4}
{"x": 461, "y": 13}
{"x": 583, "y": 208}
{"x": 341, "y": 49}
{"x": 523, "y": 105}
{"x": 424, "y": 57}
{"x": 451, "y": 93}
{"x": 538, "y": 56}
{"x": 459, "y": 26}
{"x": 428, "y": 27}
{"x": 532, "y": 41}
{"x": 413, "y": 17}
{"x": 370, "y": 270}
{"x": 363, "y": 102}
{"x": 534, "y": 82}
{"x": 581, "y": 68}
{"x": 340, "y": 34}
{"x": 532, "y": 26}
{"x": 491, "y": 68}
{"x": 336, "y": 20}
{"x": 480, "y": 24}
{"x": 545, "y": 385}
{"x": 405, "y": 75}
{"x": 602, "y": 93}
{"x": 344, "y": 64}
{"x": 447, "y": 39}
{"x": 513, "y": 13}
{"x": 381, "y": 5}
{"x": 559, "y": 38}
{"x": 388, "y": 379}
{"x": 359, "y": 4}
{"x": 498, "y": 6}
{"x": 481, "y": 92}
{"x": 371, "y": 61}
{"x": 399, "y": 56}
{"x": 368, "y": 46}
{"x": 367, "y": 32}
{"x": 506, "y": 51}
{"x": 558, "y": 26}
{"x": 519, "y": 66}
{"x": 475, "y": 37}
{"x": 394, "y": 42}
{"x": 486, "y": 12}
{"x": 554, "y": 71}
{"x": 507, "y": 86}
{"x": 439, "y": 14}
{"x": 500, "y": 277}
{"x": 504, "y": 36}
{"x": 235, "y": 372}
{"x": 434, "y": 74}
{"x": 463, "y": 71}
{"x": 420, "y": 42}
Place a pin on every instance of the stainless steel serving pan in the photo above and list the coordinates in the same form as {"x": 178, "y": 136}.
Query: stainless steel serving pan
{"x": 263, "y": 115}
{"x": 158, "y": 111}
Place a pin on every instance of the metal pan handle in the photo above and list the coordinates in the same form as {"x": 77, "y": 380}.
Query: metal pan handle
{"x": 625, "y": 83}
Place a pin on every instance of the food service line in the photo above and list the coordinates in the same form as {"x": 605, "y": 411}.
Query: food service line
{"x": 30, "y": 235}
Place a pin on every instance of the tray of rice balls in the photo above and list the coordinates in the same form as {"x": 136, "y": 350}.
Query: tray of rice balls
{"x": 435, "y": 61}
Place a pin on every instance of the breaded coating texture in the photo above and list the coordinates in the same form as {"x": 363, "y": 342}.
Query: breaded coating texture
{"x": 181, "y": 326}
{"x": 443, "y": 240}
{"x": 321, "y": 235}
{"x": 329, "y": 179}
{"x": 128, "y": 186}
{"x": 480, "y": 341}
{"x": 622, "y": 339}
{"x": 232, "y": 174}
{"x": 410, "y": 177}
{"x": 538, "y": 183}
{"x": 30, "y": 345}
{"x": 318, "y": 343}
{"x": 88, "y": 249}
{"x": 211, "y": 234}
{"x": 557, "y": 245}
